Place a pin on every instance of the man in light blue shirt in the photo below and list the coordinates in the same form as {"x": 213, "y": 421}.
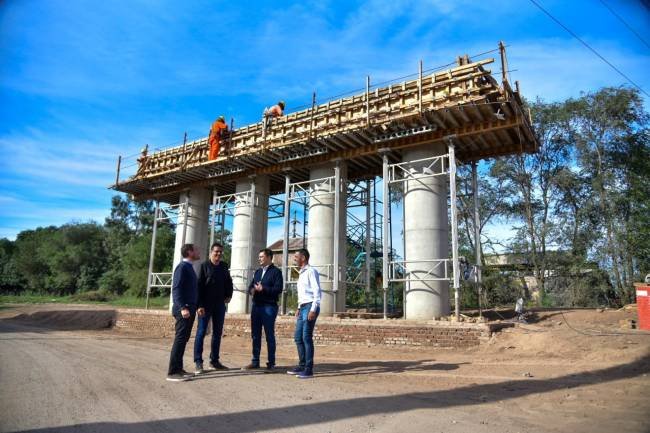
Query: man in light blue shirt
{"x": 309, "y": 296}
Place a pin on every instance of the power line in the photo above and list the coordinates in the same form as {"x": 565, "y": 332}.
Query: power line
{"x": 589, "y": 47}
{"x": 625, "y": 23}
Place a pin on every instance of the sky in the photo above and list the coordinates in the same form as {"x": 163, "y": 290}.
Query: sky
{"x": 82, "y": 82}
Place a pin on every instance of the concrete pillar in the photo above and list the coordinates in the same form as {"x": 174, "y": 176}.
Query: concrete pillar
{"x": 248, "y": 237}
{"x": 426, "y": 235}
{"x": 198, "y": 230}
{"x": 192, "y": 226}
{"x": 321, "y": 234}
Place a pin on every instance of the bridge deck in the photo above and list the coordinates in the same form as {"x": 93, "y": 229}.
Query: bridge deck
{"x": 484, "y": 118}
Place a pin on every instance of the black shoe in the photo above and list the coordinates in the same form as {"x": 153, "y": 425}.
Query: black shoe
{"x": 251, "y": 366}
{"x": 186, "y": 374}
{"x": 218, "y": 366}
{"x": 296, "y": 371}
{"x": 270, "y": 368}
{"x": 177, "y": 377}
{"x": 305, "y": 374}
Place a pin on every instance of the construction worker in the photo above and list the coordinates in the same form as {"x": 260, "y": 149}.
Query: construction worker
{"x": 142, "y": 161}
{"x": 217, "y": 131}
{"x": 273, "y": 112}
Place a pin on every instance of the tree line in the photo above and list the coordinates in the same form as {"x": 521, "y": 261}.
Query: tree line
{"x": 579, "y": 209}
{"x": 81, "y": 257}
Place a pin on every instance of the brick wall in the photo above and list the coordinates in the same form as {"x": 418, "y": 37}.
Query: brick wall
{"x": 330, "y": 330}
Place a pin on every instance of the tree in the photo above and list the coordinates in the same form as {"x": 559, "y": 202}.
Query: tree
{"x": 10, "y": 280}
{"x": 612, "y": 145}
{"x": 529, "y": 183}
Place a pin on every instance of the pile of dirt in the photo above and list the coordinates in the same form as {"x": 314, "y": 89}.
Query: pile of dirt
{"x": 66, "y": 319}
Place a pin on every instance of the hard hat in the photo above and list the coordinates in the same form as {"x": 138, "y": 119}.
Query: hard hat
{"x": 281, "y": 104}
{"x": 223, "y": 119}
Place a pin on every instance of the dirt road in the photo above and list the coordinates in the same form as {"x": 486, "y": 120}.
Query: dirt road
{"x": 540, "y": 378}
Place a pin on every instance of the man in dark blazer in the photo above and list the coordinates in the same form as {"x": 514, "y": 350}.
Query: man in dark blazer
{"x": 265, "y": 288}
{"x": 184, "y": 297}
{"x": 215, "y": 291}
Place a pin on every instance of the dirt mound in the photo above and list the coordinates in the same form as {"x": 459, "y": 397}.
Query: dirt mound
{"x": 66, "y": 320}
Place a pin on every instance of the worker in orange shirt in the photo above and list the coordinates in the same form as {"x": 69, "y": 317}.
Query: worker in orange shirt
{"x": 217, "y": 131}
{"x": 273, "y": 112}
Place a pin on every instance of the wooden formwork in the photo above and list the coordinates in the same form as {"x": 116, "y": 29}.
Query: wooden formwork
{"x": 464, "y": 103}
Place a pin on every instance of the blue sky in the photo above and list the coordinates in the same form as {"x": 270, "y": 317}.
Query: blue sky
{"x": 81, "y": 81}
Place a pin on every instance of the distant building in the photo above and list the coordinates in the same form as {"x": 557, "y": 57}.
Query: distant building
{"x": 294, "y": 245}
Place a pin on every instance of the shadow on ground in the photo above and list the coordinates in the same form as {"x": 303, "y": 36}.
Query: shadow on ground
{"x": 303, "y": 415}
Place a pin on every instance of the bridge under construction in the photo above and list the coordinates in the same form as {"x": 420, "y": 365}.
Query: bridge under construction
{"x": 344, "y": 154}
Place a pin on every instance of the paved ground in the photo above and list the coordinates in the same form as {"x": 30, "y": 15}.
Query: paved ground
{"x": 59, "y": 377}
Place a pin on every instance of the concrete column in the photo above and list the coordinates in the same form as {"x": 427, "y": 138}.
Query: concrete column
{"x": 197, "y": 231}
{"x": 248, "y": 237}
{"x": 426, "y": 235}
{"x": 321, "y": 234}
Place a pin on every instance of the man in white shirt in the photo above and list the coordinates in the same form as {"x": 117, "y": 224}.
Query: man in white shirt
{"x": 309, "y": 296}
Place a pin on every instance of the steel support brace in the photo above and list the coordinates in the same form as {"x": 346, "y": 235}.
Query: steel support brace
{"x": 385, "y": 233}
{"x": 337, "y": 232}
{"x": 213, "y": 220}
{"x": 251, "y": 251}
{"x": 152, "y": 252}
{"x": 285, "y": 243}
{"x": 367, "y": 240}
{"x": 186, "y": 210}
{"x": 477, "y": 237}
{"x": 454, "y": 228}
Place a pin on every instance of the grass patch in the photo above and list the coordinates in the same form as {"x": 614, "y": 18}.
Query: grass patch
{"x": 133, "y": 301}
{"x": 34, "y": 299}
{"x": 87, "y": 298}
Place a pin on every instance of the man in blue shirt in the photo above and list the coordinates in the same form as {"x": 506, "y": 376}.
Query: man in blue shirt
{"x": 309, "y": 297}
{"x": 265, "y": 288}
{"x": 185, "y": 298}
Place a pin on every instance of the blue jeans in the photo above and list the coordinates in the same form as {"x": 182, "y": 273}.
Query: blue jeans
{"x": 217, "y": 315}
{"x": 304, "y": 337}
{"x": 263, "y": 316}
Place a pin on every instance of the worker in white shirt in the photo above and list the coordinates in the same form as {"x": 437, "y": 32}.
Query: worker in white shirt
{"x": 309, "y": 296}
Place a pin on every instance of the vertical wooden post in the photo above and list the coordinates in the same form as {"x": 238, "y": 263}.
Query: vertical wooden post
{"x": 504, "y": 61}
{"x": 420, "y": 87}
{"x": 368, "y": 100}
{"x": 119, "y": 163}
{"x": 311, "y": 120}
{"x": 184, "y": 153}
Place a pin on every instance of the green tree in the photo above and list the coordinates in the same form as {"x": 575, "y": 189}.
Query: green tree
{"x": 529, "y": 183}
{"x": 612, "y": 145}
{"x": 10, "y": 280}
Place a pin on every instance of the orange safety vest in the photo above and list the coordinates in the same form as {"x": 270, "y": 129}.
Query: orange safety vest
{"x": 215, "y": 138}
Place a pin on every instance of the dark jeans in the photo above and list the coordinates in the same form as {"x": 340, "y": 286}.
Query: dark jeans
{"x": 304, "y": 337}
{"x": 217, "y": 315}
{"x": 263, "y": 316}
{"x": 183, "y": 331}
